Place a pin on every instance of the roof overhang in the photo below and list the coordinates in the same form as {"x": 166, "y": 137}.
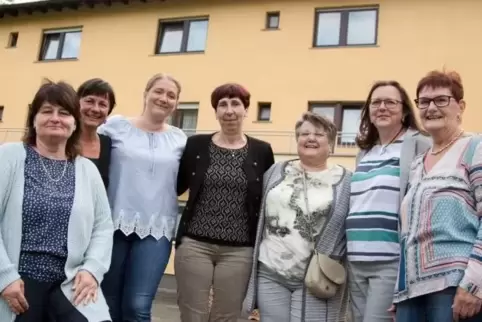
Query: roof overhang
{"x": 28, "y": 8}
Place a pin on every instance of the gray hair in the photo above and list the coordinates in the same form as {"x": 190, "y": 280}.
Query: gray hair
{"x": 319, "y": 121}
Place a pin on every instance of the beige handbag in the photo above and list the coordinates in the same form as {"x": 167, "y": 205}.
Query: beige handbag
{"x": 324, "y": 275}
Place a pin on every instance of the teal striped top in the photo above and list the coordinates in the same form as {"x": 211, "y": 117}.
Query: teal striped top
{"x": 372, "y": 224}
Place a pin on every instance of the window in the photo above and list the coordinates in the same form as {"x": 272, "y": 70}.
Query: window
{"x": 346, "y": 117}
{"x": 350, "y": 124}
{"x": 327, "y": 111}
{"x": 182, "y": 36}
{"x": 185, "y": 117}
{"x": 61, "y": 44}
{"x": 264, "y": 111}
{"x": 1, "y": 112}
{"x": 13, "y": 39}
{"x": 346, "y": 27}
{"x": 272, "y": 20}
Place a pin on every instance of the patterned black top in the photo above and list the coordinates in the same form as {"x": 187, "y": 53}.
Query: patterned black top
{"x": 220, "y": 214}
{"x": 47, "y": 205}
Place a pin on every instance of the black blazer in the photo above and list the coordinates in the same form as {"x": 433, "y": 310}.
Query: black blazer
{"x": 194, "y": 164}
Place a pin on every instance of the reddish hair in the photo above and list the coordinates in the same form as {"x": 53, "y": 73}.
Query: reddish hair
{"x": 443, "y": 79}
{"x": 230, "y": 90}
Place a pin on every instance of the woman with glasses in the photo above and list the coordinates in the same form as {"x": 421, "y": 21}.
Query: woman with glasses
{"x": 389, "y": 139}
{"x": 440, "y": 274}
{"x": 304, "y": 208}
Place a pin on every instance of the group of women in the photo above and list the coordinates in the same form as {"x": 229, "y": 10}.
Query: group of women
{"x": 88, "y": 211}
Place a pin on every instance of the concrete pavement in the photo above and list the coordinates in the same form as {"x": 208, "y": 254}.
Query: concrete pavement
{"x": 165, "y": 305}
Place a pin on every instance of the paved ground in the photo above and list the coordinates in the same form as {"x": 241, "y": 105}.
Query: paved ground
{"x": 165, "y": 306}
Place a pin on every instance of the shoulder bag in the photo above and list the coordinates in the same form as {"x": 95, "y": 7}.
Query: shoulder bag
{"x": 324, "y": 275}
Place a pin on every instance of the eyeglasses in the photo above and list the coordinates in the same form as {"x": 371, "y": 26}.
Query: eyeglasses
{"x": 439, "y": 101}
{"x": 389, "y": 103}
{"x": 316, "y": 134}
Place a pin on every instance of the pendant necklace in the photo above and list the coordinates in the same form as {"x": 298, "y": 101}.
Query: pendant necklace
{"x": 384, "y": 148}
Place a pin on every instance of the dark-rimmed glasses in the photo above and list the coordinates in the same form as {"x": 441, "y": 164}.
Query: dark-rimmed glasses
{"x": 439, "y": 101}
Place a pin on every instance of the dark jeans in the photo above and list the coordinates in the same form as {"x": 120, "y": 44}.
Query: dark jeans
{"x": 135, "y": 273}
{"x": 435, "y": 307}
{"x": 47, "y": 302}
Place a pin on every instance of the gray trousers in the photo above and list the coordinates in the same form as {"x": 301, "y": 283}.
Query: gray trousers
{"x": 371, "y": 286}
{"x": 198, "y": 266}
{"x": 281, "y": 300}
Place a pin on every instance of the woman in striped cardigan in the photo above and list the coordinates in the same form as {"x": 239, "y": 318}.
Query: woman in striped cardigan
{"x": 389, "y": 140}
{"x": 305, "y": 205}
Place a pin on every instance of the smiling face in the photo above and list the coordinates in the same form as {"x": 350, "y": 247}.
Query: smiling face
{"x": 439, "y": 111}
{"x": 312, "y": 142}
{"x": 94, "y": 110}
{"x": 386, "y": 109}
{"x": 161, "y": 99}
{"x": 53, "y": 123}
{"x": 230, "y": 113}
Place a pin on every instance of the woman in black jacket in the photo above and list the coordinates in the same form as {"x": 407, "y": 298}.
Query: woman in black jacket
{"x": 97, "y": 100}
{"x": 214, "y": 244}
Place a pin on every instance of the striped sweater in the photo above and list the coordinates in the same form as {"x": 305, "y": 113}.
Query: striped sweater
{"x": 377, "y": 189}
{"x": 441, "y": 232}
{"x": 372, "y": 224}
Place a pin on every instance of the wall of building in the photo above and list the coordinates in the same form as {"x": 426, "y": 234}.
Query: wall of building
{"x": 278, "y": 66}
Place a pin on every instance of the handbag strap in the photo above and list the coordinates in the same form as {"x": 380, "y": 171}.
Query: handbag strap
{"x": 308, "y": 211}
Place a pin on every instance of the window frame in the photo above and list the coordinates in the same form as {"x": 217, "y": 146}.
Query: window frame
{"x": 177, "y": 116}
{"x": 344, "y": 23}
{"x": 13, "y": 37}
{"x": 185, "y": 34}
{"x": 61, "y": 32}
{"x": 262, "y": 105}
{"x": 269, "y": 15}
{"x": 338, "y": 114}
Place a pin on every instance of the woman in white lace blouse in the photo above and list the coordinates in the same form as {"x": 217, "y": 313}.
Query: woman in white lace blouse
{"x": 142, "y": 192}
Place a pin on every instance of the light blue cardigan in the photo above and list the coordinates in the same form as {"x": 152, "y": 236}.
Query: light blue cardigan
{"x": 90, "y": 230}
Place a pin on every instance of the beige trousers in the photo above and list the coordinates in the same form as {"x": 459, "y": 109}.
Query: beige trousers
{"x": 198, "y": 266}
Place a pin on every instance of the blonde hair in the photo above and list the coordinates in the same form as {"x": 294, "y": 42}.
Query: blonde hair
{"x": 159, "y": 76}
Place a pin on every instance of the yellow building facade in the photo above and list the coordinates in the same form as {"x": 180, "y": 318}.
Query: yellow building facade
{"x": 292, "y": 56}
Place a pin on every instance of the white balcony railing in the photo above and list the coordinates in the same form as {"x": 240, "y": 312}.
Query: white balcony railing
{"x": 283, "y": 142}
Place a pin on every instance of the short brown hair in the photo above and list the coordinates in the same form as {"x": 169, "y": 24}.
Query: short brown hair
{"x": 230, "y": 90}
{"x": 59, "y": 94}
{"x": 368, "y": 134}
{"x": 97, "y": 87}
{"x": 443, "y": 79}
{"x": 318, "y": 121}
{"x": 159, "y": 76}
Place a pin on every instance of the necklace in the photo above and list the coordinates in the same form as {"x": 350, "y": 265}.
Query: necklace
{"x": 384, "y": 148}
{"x": 445, "y": 147}
{"x": 47, "y": 172}
{"x": 223, "y": 143}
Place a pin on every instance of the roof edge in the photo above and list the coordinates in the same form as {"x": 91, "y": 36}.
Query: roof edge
{"x": 28, "y": 8}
